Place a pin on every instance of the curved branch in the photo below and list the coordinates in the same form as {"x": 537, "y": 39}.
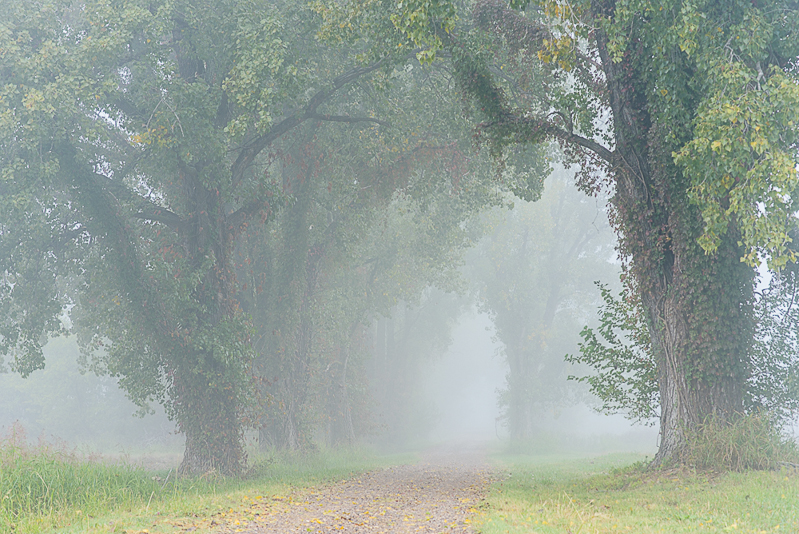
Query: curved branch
{"x": 345, "y": 118}
{"x": 570, "y": 137}
{"x": 534, "y": 129}
{"x": 296, "y": 117}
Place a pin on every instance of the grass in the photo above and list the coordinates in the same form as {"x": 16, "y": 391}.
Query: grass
{"x": 46, "y": 488}
{"x": 747, "y": 442}
{"x": 616, "y": 493}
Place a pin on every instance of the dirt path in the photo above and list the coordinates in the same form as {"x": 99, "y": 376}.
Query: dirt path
{"x": 436, "y": 495}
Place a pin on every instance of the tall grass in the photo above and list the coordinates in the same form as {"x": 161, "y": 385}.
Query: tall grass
{"x": 48, "y": 486}
{"x": 40, "y": 482}
{"x": 747, "y": 442}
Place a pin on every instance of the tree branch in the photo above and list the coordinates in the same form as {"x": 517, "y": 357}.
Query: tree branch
{"x": 345, "y": 118}
{"x": 159, "y": 214}
{"x": 529, "y": 128}
{"x": 296, "y": 117}
{"x": 570, "y": 137}
{"x": 145, "y": 208}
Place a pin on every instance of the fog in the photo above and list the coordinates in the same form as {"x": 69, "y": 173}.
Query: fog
{"x": 434, "y": 370}
{"x": 459, "y": 386}
{"x": 462, "y": 383}
{"x": 66, "y": 405}
{"x": 463, "y": 386}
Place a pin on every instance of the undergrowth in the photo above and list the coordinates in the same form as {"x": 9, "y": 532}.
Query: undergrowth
{"x": 747, "y": 442}
{"x": 40, "y": 481}
{"x": 49, "y": 486}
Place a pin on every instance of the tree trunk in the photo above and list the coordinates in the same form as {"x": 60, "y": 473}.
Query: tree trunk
{"x": 290, "y": 331}
{"x": 698, "y": 305}
{"x": 701, "y": 334}
{"x": 212, "y": 428}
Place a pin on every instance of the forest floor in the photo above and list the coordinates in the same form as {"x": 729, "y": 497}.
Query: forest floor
{"x": 438, "y": 494}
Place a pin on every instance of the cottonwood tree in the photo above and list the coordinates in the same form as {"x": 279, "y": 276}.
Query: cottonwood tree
{"x": 135, "y": 150}
{"x": 700, "y": 99}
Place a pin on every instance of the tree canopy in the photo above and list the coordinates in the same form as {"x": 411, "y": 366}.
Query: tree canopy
{"x": 145, "y": 146}
{"x": 225, "y": 196}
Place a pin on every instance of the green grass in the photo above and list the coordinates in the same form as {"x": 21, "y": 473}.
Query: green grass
{"x": 49, "y": 489}
{"x": 616, "y": 493}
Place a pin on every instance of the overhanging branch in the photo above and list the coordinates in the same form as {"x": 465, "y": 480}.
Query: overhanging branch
{"x": 537, "y": 129}
{"x": 294, "y": 118}
{"x": 345, "y": 118}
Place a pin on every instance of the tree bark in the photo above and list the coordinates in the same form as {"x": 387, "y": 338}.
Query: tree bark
{"x": 698, "y": 305}
{"x": 212, "y": 426}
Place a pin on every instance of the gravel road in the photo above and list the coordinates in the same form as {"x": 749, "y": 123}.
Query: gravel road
{"x": 439, "y": 494}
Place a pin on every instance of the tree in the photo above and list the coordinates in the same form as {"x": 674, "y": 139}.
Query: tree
{"x": 701, "y": 105}
{"x": 533, "y": 273}
{"x": 135, "y": 144}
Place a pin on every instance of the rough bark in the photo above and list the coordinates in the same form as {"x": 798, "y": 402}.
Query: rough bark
{"x": 698, "y": 305}
{"x": 213, "y": 434}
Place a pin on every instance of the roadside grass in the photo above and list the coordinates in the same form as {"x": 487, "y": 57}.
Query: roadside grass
{"x": 46, "y": 488}
{"x": 617, "y": 493}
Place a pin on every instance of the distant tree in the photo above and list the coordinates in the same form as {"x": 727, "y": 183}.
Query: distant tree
{"x": 375, "y": 221}
{"x": 533, "y": 273}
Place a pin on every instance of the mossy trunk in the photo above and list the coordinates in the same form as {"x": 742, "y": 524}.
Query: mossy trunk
{"x": 211, "y": 423}
{"x": 698, "y": 305}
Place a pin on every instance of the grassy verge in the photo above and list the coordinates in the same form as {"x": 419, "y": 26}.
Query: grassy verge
{"x": 45, "y": 489}
{"x": 615, "y": 494}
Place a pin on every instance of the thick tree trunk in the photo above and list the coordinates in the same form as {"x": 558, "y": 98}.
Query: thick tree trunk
{"x": 701, "y": 334}
{"x": 698, "y": 305}
{"x": 212, "y": 429}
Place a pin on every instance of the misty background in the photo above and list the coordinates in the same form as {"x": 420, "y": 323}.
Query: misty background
{"x": 437, "y": 370}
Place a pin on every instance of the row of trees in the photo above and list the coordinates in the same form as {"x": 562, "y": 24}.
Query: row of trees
{"x": 223, "y": 190}
{"x": 224, "y": 202}
{"x": 700, "y": 154}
